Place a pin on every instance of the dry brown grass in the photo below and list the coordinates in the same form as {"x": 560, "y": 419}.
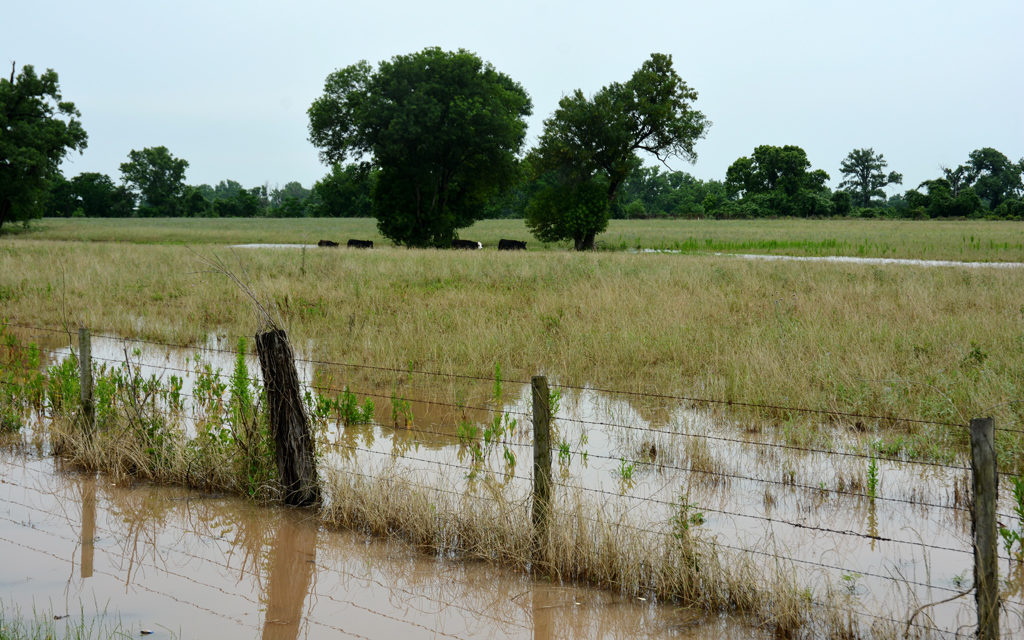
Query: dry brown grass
{"x": 935, "y": 343}
{"x": 593, "y": 545}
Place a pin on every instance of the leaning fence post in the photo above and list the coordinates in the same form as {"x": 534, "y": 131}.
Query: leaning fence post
{"x": 296, "y": 462}
{"x": 983, "y": 526}
{"x": 541, "y": 463}
{"x": 85, "y": 379}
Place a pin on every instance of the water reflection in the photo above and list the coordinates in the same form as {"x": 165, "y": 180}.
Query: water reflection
{"x": 190, "y": 565}
{"x": 666, "y": 454}
{"x": 87, "y": 486}
{"x": 293, "y": 554}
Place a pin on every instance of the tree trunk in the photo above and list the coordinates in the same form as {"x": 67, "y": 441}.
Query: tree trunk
{"x": 296, "y": 463}
{"x": 586, "y": 242}
{"x": 5, "y": 209}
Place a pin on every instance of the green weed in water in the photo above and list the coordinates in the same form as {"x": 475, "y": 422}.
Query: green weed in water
{"x": 1013, "y": 539}
{"x": 872, "y": 476}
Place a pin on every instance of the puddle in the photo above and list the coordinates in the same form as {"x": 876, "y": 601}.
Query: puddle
{"x": 188, "y": 565}
{"x": 910, "y": 546}
{"x": 851, "y": 259}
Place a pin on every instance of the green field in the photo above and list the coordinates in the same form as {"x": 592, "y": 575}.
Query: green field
{"x": 968, "y": 240}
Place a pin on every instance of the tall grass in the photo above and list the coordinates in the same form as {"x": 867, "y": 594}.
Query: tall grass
{"x": 942, "y": 344}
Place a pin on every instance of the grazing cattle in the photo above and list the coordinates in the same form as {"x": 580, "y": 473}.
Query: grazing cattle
{"x": 466, "y": 244}
{"x": 360, "y": 244}
{"x": 511, "y": 245}
{"x": 327, "y": 243}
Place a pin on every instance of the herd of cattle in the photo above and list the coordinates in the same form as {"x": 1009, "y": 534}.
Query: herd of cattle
{"x": 503, "y": 244}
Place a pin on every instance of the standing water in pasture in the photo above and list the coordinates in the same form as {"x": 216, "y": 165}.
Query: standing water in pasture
{"x": 863, "y": 533}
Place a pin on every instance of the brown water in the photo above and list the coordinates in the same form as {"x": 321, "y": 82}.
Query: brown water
{"x": 189, "y": 565}
{"x": 887, "y": 556}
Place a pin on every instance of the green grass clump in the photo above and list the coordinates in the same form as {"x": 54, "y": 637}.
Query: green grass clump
{"x": 44, "y": 625}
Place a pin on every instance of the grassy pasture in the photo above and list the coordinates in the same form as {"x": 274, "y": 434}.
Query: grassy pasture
{"x": 935, "y": 343}
{"x": 975, "y": 240}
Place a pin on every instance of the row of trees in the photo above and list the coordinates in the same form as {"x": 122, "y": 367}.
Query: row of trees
{"x": 772, "y": 182}
{"x": 441, "y": 131}
{"x": 431, "y": 141}
{"x": 153, "y": 185}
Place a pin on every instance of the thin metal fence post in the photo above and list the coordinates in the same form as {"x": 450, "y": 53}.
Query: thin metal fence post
{"x": 541, "y": 464}
{"x": 983, "y": 526}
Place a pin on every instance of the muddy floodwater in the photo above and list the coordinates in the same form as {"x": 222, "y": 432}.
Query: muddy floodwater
{"x": 189, "y": 565}
{"x": 205, "y": 566}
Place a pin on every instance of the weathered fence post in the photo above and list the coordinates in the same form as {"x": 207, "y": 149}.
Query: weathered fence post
{"x": 85, "y": 379}
{"x": 541, "y": 464}
{"x": 983, "y": 526}
{"x": 296, "y": 463}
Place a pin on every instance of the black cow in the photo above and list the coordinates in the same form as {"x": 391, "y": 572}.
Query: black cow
{"x": 466, "y": 244}
{"x": 511, "y": 245}
{"x": 327, "y": 243}
{"x": 360, "y": 244}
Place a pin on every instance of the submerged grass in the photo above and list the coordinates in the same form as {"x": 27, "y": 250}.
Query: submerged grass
{"x": 45, "y": 625}
{"x": 141, "y": 434}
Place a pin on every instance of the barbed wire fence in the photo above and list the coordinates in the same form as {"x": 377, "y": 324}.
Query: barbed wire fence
{"x": 981, "y": 503}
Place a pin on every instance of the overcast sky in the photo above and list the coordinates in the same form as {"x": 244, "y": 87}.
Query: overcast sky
{"x": 226, "y": 84}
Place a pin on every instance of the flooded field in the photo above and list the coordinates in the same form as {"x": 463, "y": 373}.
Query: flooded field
{"x": 653, "y": 468}
{"x": 840, "y": 259}
{"x": 187, "y": 565}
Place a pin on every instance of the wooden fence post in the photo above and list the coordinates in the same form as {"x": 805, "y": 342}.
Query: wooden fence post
{"x": 983, "y": 526}
{"x": 541, "y": 464}
{"x": 296, "y": 462}
{"x": 85, "y": 379}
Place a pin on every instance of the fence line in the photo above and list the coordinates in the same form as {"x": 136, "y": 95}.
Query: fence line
{"x": 202, "y": 418}
{"x": 827, "y": 452}
{"x": 608, "y": 424}
{"x": 510, "y": 475}
{"x": 679, "y": 398}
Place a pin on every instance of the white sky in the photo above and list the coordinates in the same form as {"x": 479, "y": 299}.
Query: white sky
{"x": 226, "y": 84}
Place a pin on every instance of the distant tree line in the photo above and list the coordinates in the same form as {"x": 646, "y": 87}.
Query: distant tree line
{"x": 432, "y": 141}
{"x": 153, "y": 185}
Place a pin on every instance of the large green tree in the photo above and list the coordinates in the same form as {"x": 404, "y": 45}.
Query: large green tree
{"x": 442, "y": 127}
{"x": 159, "y": 179}
{"x": 37, "y": 130}
{"x": 994, "y": 177}
{"x": 865, "y": 176}
{"x": 778, "y": 181}
{"x": 591, "y": 144}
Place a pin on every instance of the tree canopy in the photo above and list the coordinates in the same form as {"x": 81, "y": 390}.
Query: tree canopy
{"x": 158, "y": 177}
{"x": 37, "y": 130}
{"x": 994, "y": 177}
{"x": 865, "y": 177}
{"x": 442, "y": 127}
{"x": 778, "y": 181}
{"x": 591, "y": 144}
